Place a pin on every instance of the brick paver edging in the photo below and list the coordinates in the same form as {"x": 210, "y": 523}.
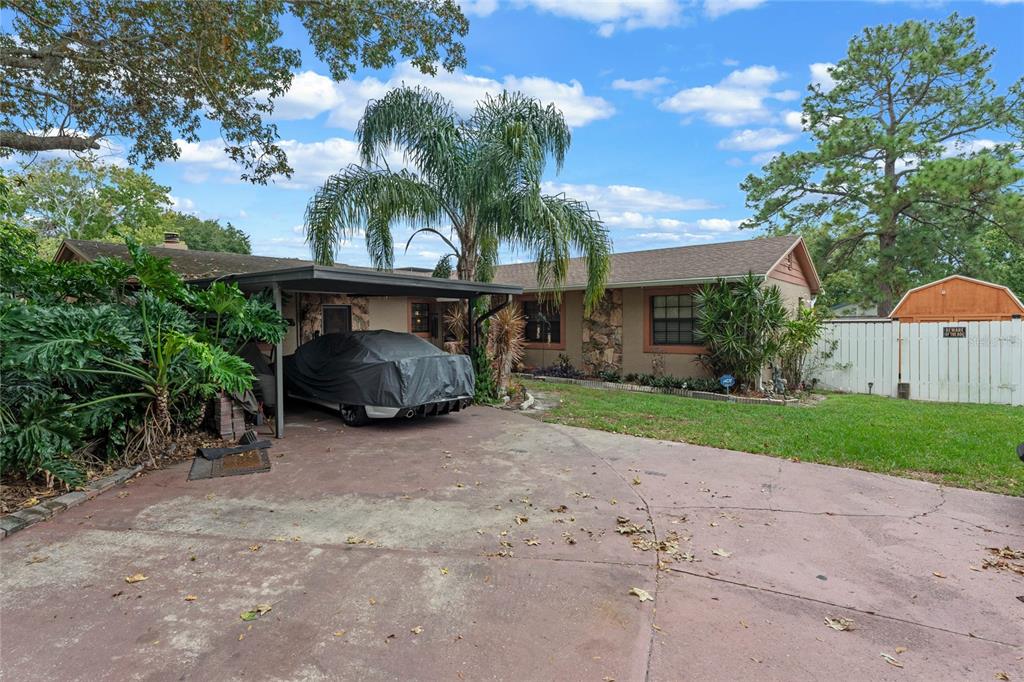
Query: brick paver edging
{"x": 23, "y": 518}
{"x": 636, "y": 388}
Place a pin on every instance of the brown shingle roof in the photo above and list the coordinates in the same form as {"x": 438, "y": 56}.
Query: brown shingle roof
{"x": 190, "y": 264}
{"x": 680, "y": 263}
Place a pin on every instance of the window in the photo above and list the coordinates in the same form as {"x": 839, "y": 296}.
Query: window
{"x": 337, "y": 318}
{"x": 420, "y": 318}
{"x": 673, "y": 320}
{"x": 543, "y": 323}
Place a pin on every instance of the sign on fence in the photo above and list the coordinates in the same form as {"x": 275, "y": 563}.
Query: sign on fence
{"x": 975, "y": 362}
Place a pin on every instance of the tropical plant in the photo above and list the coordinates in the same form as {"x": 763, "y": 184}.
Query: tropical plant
{"x": 897, "y": 183}
{"x": 507, "y": 346}
{"x": 112, "y": 375}
{"x": 799, "y": 337}
{"x": 741, "y": 325}
{"x": 151, "y": 71}
{"x": 479, "y": 175}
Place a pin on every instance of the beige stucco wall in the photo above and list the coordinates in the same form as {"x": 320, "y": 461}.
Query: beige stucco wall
{"x": 389, "y": 312}
{"x": 791, "y": 293}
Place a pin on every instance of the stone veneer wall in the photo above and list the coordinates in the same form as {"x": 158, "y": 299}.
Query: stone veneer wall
{"x": 602, "y": 334}
{"x": 311, "y": 313}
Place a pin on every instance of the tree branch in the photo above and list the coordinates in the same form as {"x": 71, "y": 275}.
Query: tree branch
{"x": 23, "y": 142}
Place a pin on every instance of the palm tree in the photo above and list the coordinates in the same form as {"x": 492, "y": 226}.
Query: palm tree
{"x": 474, "y": 182}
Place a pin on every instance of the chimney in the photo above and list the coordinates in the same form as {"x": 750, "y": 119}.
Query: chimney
{"x": 173, "y": 241}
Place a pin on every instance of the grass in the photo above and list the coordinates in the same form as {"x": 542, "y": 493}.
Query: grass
{"x": 968, "y": 446}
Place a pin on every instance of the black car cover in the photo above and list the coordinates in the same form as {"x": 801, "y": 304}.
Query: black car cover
{"x": 382, "y": 368}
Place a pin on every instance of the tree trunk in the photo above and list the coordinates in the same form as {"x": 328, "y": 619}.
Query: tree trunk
{"x": 886, "y": 269}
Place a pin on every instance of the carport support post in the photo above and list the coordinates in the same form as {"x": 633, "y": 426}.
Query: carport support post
{"x": 278, "y": 371}
{"x": 471, "y": 331}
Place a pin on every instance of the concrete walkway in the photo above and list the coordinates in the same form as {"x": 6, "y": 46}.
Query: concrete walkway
{"x": 484, "y": 546}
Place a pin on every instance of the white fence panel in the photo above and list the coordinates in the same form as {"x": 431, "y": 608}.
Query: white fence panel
{"x": 985, "y": 366}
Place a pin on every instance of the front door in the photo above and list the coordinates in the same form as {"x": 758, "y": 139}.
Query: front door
{"x": 337, "y": 318}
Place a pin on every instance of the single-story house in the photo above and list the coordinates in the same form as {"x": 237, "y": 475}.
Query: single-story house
{"x": 647, "y": 317}
{"x": 317, "y": 299}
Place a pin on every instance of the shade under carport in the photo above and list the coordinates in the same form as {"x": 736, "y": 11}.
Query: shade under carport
{"x": 356, "y": 281}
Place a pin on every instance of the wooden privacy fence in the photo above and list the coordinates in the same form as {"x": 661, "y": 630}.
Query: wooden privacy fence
{"x": 956, "y": 362}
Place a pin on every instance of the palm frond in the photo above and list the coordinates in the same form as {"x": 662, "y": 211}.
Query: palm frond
{"x": 371, "y": 200}
{"x": 417, "y": 121}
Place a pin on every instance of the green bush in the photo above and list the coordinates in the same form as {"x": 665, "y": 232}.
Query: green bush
{"x": 741, "y": 324}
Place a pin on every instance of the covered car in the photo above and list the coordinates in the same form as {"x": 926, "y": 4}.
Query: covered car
{"x": 378, "y": 375}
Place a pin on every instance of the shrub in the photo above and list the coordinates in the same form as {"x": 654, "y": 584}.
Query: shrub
{"x": 741, "y": 325}
{"x": 798, "y": 340}
{"x": 610, "y": 375}
{"x": 563, "y": 368}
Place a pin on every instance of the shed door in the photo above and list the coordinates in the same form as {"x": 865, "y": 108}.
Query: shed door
{"x": 337, "y": 318}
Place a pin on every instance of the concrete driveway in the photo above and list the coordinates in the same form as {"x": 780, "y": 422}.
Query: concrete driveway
{"x": 441, "y": 550}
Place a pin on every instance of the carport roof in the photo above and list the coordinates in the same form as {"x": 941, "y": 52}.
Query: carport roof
{"x": 348, "y": 280}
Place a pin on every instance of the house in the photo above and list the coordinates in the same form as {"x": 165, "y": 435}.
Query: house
{"x": 316, "y": 299}
{"x": 958, "y": 299}
{"x": 647, "y": 318}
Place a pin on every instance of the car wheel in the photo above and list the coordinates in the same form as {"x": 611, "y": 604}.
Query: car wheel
{"x": 354, "y": 415}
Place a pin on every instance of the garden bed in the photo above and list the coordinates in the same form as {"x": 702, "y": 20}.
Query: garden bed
{"x": 685, "y": 393}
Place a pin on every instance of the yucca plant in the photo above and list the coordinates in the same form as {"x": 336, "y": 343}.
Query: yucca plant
{"x": 506, "y": 344}
{"x": 741, "y": 324}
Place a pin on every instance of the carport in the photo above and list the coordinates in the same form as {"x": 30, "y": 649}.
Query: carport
{"x": 322, "y": 279}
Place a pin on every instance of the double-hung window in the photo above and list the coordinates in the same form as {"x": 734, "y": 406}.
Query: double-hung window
{"x": 543, "y": 322}
{"x": 674, "y": 320}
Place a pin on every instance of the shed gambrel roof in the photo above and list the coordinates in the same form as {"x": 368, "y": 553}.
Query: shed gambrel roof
{"x": 677, "y": 265}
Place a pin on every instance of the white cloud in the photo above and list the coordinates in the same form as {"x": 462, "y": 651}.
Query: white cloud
{"x": 821, "y": 77}
{"x": 793, "y": 120}
{"x": 312, "y": 94}
{"x": 615, "y": 199}
{"x": 736, "y": 100}
{"x": 609, "y": 15}
{"x": 182, "y": 204}
{"x": 718, "y": 224}
{"x": 313, "y": 161}
{"x": 728, "y": 61}
{"x": 753, "y": 140}
{"x": 717, "y": 8}
{"x": 640, "y": 86}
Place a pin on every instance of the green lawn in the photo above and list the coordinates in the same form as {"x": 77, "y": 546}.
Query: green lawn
{"x": 969, "y": 446}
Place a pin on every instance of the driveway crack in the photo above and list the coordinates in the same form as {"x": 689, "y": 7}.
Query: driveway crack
{"x": 845, "y": 607}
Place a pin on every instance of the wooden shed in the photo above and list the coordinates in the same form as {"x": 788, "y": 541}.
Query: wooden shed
{"x": 958, "y": 299}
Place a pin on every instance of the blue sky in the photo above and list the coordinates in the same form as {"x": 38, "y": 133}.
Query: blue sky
{"x": 672, "y": 105}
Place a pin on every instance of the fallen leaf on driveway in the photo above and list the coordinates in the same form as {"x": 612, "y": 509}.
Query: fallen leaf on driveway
{"x": 1002, "y": 676}
{"x": 417, "y": 630}
{"x": 718, "y": 551}
{"x": 444, "y": 571}
{"x": 339, "y": 633}
{"x": 938, "y": 575}
{"x": 190, "y": 597}
{"x": 373, "y": 601}
{"x": 520, "y": 520}
{"x": 255, "y": 612}
{"x": 532, "y": 542}
{"x": 37, "y": 560}
{"x": 841, "y": 624}
{"x": 901, "y": 649}
{"x": 642, "y": 595}
{"x": 890, "y": 660}
{"x": 137, "y": 578}
{"x": 255, "y": 548}
{"x": 636, "y": 480}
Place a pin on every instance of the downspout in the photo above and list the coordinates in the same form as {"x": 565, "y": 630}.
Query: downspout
{"x": 278, "y": 370}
